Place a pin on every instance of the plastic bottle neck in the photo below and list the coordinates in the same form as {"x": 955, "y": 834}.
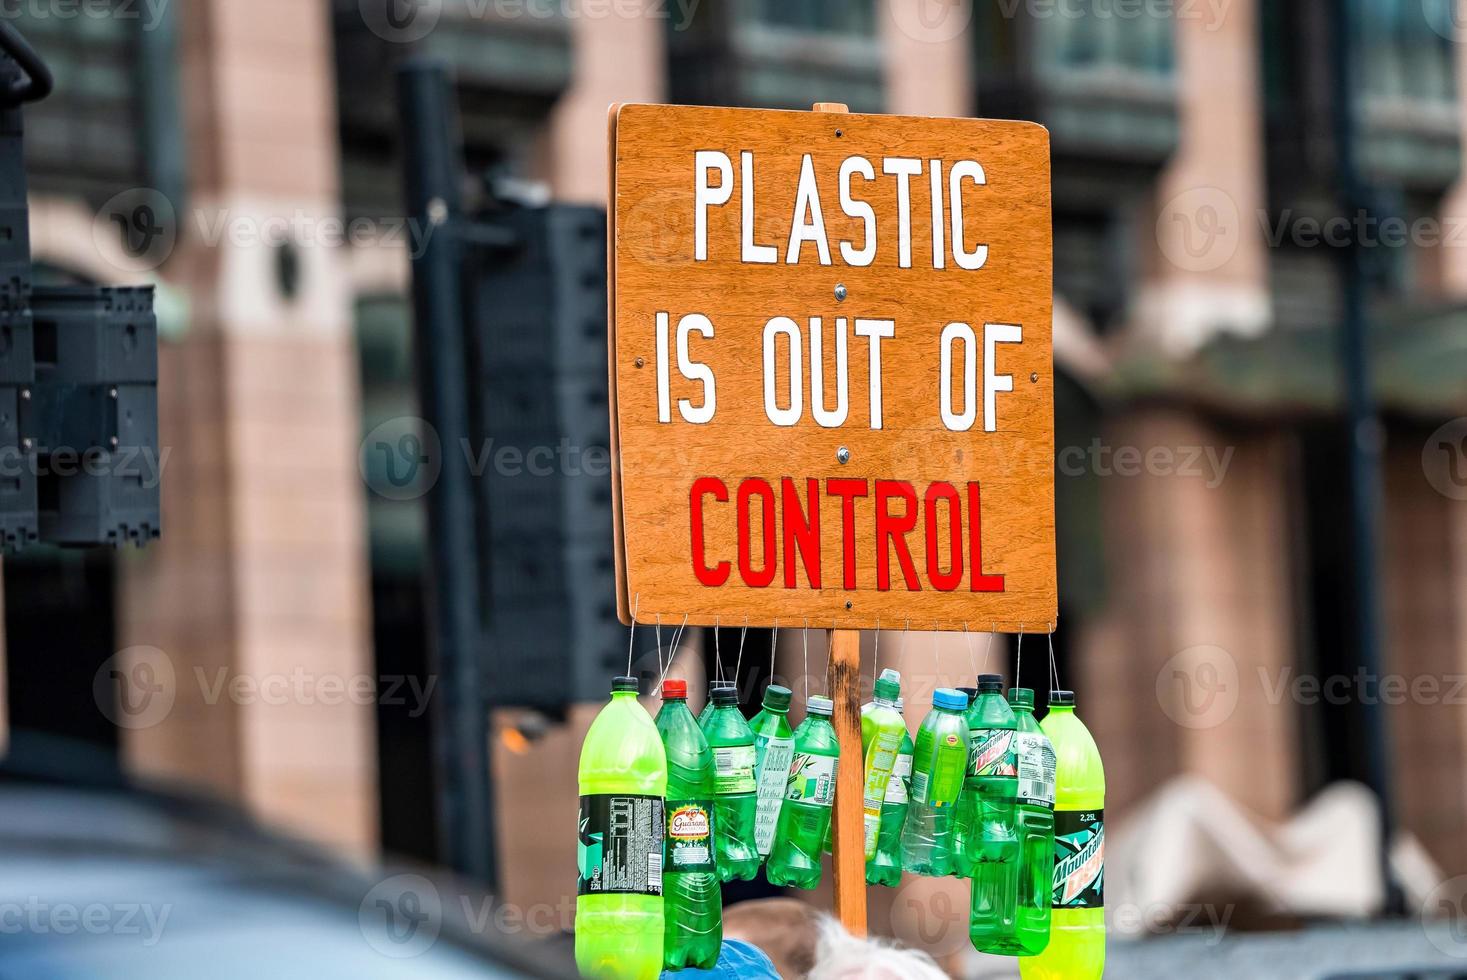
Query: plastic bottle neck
{"x": 884, "y": 702}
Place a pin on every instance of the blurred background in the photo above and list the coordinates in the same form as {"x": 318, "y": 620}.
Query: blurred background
{"x": 1257, "y": 679}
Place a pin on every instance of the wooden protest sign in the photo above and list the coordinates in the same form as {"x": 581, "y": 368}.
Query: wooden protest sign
{"x": 831, "y": 369}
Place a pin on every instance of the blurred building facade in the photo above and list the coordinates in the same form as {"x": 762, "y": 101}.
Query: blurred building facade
{"x": 1202, "y": 516}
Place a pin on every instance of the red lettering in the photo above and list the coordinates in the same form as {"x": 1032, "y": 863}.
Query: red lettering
{"x": 753, "y": 487}
{"x": 892, "y": 532}
{"x": 703, "y": 486}
{"x": 847, "y": 491}
{"x": 981, "y": 582}
{"x": 801, "y": 535}
{"x": 949, "y": 580}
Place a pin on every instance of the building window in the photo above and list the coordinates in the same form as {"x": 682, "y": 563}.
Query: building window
{"x": 87, "y": 136}
{"x": 818, "y": 16}
{"x": 778, "y": 54}
{"x": 1407, "y": 51}
{"x": 1096, "y": 39}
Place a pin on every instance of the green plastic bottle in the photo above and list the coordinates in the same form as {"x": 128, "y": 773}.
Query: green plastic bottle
{"x": 1034, "y": 821}
{"x": 1076, "y": 948}
{"x": 774, "y": 750}
{"x": 737, "y": 800}
{"x": 713, "y": 689}
{"x": 623, "y": 780}
{"x": 805, "y": 816}
{"x": 939, "y": 762}
{"x": 993, "y": 850}
{"x": 885, "y": 868}
{"x": 967, "y": 804}
{"x": 882, "y": 731}
{"x": 692, "y": 901}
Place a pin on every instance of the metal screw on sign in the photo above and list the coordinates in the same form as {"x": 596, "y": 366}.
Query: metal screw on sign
{"x": 840, "y": 292}
{"x": 843, "y": 455}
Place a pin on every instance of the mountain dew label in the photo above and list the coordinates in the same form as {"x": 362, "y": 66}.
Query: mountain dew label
{"x": 619, "y": 847}
{"x": 1079, "y": 859}
{"x": 812, "y": 779}
{"x": 689, "y": 835}
{"x": 772, "y": 774}
{"x": 1036, "y": 768}
{"x": 993, "y": 753}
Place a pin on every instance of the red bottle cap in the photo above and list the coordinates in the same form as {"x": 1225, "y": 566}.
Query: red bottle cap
{"x": 674, "y": 688}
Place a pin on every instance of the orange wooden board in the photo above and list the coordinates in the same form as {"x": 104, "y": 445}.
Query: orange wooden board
{"x": 717, "y": 515}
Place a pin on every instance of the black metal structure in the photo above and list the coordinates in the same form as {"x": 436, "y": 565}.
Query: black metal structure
{"x": 431, "y": 173}
{"x": 1362, "y": 423}
{"x": 79, "y": 455}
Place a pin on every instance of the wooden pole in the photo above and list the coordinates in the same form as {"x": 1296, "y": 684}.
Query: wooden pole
{"x": 848, "y": 846}
{"x": 848, "y": 841}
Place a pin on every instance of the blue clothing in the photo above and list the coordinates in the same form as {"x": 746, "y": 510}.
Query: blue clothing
{"x": 736, "y": 960}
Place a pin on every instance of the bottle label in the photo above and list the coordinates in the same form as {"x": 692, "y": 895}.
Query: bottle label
{"x": 1079, "y": 859}
{"x": 901, "y": 775}
{"x": 733, "y": 769}
{"x": 881, "y": 758}
{"x": 689, "y": 835}
{"x": 772, "y": 772}
{"x": 940, "y": 785}
{"x": 993, "y": 753}
{"x": 1036, "y": 768}
{"x": 812, "y": 779}
{"x": 619, "y": 850}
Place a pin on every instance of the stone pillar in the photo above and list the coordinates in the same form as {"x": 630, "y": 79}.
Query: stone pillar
{"x": 256, "y": 594}
{"x": 619, "y": 58}
{"x": 1179, "y": 672}
{"x": 1208, "y": 265}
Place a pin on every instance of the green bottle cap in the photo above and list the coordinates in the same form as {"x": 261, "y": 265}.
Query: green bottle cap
{"x": 990, "y": 683}
{"x": 1021, "y": 697}
{"x": 1061, "y": 699}
{"x": 777, "y": 698}
{"x": 625, "y": 684}
{"x": 724, "y": 693}
{"x": 819, "y": 705}
{"x": 889, "y": 685}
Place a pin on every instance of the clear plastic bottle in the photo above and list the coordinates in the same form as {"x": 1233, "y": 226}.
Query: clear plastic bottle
{"x": 967, "y": 807}
{"x": 736, "y": 803}
{"x": 939, "y": 762}
{"x": 885, "y": 868}
{"x": 692, "y": 901}
{"x": 805, "y": 816}
{"x": 774, "y": 750}
{"x": 1076, "y": 948}
{"x": 623, "y": 782}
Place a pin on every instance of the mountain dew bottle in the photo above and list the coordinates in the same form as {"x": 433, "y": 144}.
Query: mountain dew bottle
{"x": 885, "y": 868}
{"x": 774, "y": 750}
{"x": 623, "y": 779}
{"x": 1034, "y": 820}
{"x": 736, "y": 798}
{"x": 692, "y": 903}
{"x": 993, "y": 849}
{"x": 939, "y": 761}
{"x": 1076, "y": 948}
{"x": 967, "y": 803}
{"x": 805, "y": 816}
